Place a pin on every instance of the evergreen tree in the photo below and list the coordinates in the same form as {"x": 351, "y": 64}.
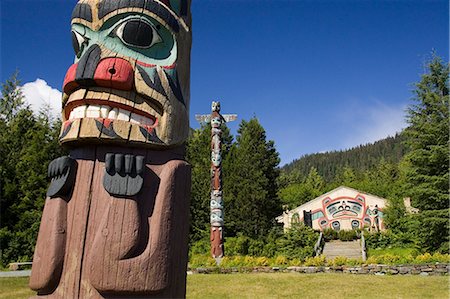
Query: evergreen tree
{"x": 250, "y": 183}
{"x": 299, "y": 193}
{"x": 428, "y": 139}
{"x": 27, "y": 144}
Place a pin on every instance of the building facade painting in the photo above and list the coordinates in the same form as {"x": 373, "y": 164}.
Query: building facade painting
{"x": 340, "y": 209}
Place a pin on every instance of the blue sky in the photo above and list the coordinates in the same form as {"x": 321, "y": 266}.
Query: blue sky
{"x": 319, "y": 75}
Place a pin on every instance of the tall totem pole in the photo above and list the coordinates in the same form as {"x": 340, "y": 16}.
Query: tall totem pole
{"x": 115, "y": 220}
{"x": 216, "y": 203}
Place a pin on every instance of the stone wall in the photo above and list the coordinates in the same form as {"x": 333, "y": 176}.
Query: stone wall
{"x": 424, "y": 270}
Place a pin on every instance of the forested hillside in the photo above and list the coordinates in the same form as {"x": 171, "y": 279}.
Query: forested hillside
{"x": 359, "y": 158}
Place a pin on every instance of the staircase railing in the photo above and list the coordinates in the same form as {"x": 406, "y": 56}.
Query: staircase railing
{"x": 318, "y": 247}
{"x": 363, "y": 247}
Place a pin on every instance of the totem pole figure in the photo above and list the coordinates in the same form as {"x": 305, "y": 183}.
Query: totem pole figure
{"x": 216, "y": 204}
{"x": 115, "y": 221}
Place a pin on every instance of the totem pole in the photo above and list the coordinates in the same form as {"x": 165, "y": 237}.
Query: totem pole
{"x": 115, "y": 220}
{"x": 216, "y": 204}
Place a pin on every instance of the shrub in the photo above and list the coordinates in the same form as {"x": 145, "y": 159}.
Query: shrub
{"x": 330, "y": 234}
{"x": 200, "y": 247}
{"x": 199, "y": 261}
{"x": 281, "y": 260}
{"x": 354, "y": 262}
{"x": 338, "y": 261}
{"x": 295, "y": 262}
{"x": 237, "y": 245}
{"x": 262, "y": 261}
{"x": 315, "y": 261}
{"x": 347, "y": 235}
{"x": 297, "y": 242}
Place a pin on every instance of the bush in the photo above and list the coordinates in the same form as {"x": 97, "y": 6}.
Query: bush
{"x": 200, "y": 247}
{"x": 338, "y": 261}
{"x": 297, "y": 242}
{"x": 347, "y": 235}
{"x": 330, "y": 234}
{"x": 201, "y": 260}
{"x": 262, "y": 261}
{"x": 281, "y": 261}
{"x": 316, "y": 261}
{"x": 427, "y": 230}
{"x": 237, "y": 245}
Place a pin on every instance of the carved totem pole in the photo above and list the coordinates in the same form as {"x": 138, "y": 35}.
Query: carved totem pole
{"x": 115, "y": 221}
{"x": 216, "y": 203}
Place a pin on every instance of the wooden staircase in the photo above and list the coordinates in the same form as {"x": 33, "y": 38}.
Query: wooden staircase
{"x": 349, "y": 249}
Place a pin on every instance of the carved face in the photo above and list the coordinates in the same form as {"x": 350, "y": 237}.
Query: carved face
{"x": 344, "y": 207}
{"x": 216, "y": 159}
{"x": 130, "y": 80}
{"x": 215, "y": 106}
{"x": 216, "y": 122}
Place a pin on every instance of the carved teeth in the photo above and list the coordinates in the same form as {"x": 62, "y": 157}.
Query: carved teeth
{"x": 113, "y": 113}
{"x": 79, "y": 112}
{"x": 93, "y": 111}
{"x": 124, "y": 115}
{"x": 104, "y": 111}
{"x": 139, "y": 119}
{"x": 96, "y": 111}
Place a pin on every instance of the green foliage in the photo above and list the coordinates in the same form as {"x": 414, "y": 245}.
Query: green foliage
{"x": 202, "y": 246}
{"x": 298, "y": 242}
{"x": 395, "y": 259}
{"x": 388, "y": 239}
{"x": 428, "y": 139}
{"x": 330, "y": 234}
{"x": 316, "y": 261}
{"x": 399, "y": 251}
{"x": 296, "y": 194}
{"x": 250, "y": 188}
{"x": 427, "y": 231}
{"x": 343, "y": 235}
{"x": 430, "y": 230}
{"x": 347, "y": 235}
{"x": 363, "y": 157}
{"x": 27, "y": 144}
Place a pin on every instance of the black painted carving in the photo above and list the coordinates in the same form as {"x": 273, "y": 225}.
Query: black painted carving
{"x": 66, "y": 130}
{"x": 108, "y": 6}
{"x": 176, "y": 87}
{"x": 107, "y": 130}
{"x": 62, "y": 172}
{"x": 123, "y": 174}
{"x": 82, "y": 11}
{"x": 155, "y": 83}
{"x": 88, "y": 65}
{"x": 150, "y": 136}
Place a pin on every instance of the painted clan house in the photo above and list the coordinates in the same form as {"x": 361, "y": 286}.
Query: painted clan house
{"x": 340, "y": 209}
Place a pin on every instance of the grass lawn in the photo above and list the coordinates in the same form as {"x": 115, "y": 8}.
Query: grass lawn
{"x": 289, "y": 285}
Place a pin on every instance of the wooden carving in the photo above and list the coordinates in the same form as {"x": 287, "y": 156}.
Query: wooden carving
{"x": 115, "y": 221}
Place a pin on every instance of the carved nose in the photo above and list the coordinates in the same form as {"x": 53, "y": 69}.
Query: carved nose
{"x": 114, "y": 73}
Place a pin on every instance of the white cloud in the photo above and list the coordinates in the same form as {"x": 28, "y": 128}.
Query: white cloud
{"x": 372, "y": 123}
{"x": 39, "y": 93}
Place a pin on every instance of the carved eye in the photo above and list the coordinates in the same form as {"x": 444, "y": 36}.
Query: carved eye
{"x": 138, "y": 33}
{"x": 78, "y": 43}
